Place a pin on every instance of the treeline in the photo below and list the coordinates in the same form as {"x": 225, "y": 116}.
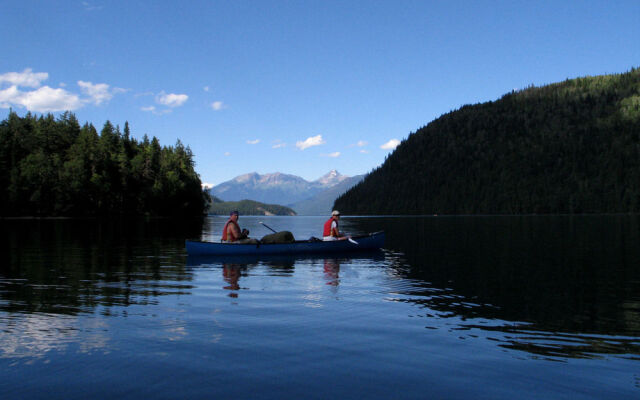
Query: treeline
{"x": 55, "y": 167}
{"x": 569, "y": 147}
{"x": 247, "y": 207}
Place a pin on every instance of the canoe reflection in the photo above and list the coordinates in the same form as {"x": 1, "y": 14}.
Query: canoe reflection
{"x": 282, "y": 260}
{"x": 234, "y": 267}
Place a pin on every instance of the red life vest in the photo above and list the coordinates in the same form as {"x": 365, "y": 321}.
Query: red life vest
{"x": 232, "y": 238}
{"x": 327, "y": 227}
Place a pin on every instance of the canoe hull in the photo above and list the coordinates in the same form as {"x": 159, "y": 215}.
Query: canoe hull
{"x": 372, "y": 241}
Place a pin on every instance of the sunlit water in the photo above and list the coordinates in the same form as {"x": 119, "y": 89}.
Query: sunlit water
{"x": 453, "y": 307}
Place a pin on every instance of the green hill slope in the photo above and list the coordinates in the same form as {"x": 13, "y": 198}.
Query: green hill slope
{"x": 569, "y": 147}
{"x": 247, "y": 207}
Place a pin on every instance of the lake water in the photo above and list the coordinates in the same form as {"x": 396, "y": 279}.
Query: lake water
{"x": 452, "y": 308}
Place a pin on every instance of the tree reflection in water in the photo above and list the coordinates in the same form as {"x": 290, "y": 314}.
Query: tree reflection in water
{"x": 552, "y": 286}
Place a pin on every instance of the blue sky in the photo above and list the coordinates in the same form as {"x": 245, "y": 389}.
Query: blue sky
{"x": 299, "y": 87}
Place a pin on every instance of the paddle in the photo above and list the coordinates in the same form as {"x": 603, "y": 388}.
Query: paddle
{"x": 274, "y": 231}
{"x": 267, "y": 226}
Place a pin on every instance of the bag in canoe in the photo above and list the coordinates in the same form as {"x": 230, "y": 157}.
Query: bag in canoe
{"x": 279, "y": 237}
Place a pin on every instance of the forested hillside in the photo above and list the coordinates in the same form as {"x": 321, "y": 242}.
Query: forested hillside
{"x": 55, "y": 167}
{"x": 569, "y": 147}
{"x": 247, "y": 207}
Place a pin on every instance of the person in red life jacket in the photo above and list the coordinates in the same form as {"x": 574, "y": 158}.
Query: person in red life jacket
{"x": 231, "y": 231}
{"x": 331, "y": 230}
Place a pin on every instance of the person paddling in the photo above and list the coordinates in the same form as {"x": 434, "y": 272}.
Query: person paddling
{"x": 231, "y": 231}
{"x": 331, "y": 230}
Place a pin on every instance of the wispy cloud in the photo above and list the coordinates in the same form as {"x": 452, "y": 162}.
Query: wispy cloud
{"x": 278, "y": 145}
{"x": 143, "y": 94}
{"x": 363, "y": 151}
{"x": 218, "y": 105}
{"x": 152, "y": 109}
{"x": 171, "y": 99}
{"x": 227, "y": 154}
{"x": 256, "y": 141}
{"x": 335, "y": 154}
{"x": 99, "y": 92}
{"x": 91, "y": 7}
{"x": 390, "y": 145}
{"x": 310, "y": 142}
{"x": 206, "y": 88}
{"x": 26, "y": 78}
{"x": 362, "y": 143}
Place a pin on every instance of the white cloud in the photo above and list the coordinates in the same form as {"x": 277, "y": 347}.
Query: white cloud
{"x": 362, "y": 143}
{"x": 310, "y": 142}
{"x": 253, "y": 141}
{"x": 363, "y": 151}
{"x": 334, "y": 154}
{"x": 98, "y": 92}
{"x": 26, "y": 78}
{"x": 206, "y": 185}
{"x": 390, "y": 145}
{"x": 206, "y": 88}
{"x": 218, "y": 105}
{"x": 171, "y": 99}
{"x": 278, "y": 145}
{"x": 44, "y": 99}
{"x": 148, "y": 109}
{"x": 48, "y": 99}
{"x": 9, "y": 95}
{"x": 227, "y": 154}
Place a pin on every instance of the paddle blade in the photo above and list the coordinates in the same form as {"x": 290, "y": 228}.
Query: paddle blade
{"x": 352, "y": 241}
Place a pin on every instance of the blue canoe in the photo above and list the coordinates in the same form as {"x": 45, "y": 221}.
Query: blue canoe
{"x": 372, "y": 241}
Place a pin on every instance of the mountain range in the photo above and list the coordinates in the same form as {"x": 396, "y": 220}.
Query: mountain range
{"x": 305, "y": 197}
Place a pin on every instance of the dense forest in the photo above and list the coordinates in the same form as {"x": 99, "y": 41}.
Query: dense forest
{"x": 55, "y": 167}
{"x": 247, "y": 207}
{"x": 568, "y": 147}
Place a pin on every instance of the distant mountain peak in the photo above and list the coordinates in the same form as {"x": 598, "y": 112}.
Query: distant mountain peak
{"x": 251, "y": 176}
{"x": 331, "y": 178}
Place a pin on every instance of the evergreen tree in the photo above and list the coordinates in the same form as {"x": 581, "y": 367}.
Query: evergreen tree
{"x": 53, "y": 166}
{"x": 569, "y": 147}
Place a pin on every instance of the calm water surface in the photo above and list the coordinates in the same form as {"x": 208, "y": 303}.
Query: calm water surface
{"x": 453, "y": 307}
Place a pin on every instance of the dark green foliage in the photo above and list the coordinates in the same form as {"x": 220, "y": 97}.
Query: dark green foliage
{"x": 570, "y": 147}
{"x": 52, "y": 167}
{"x": 247, "y": 207}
